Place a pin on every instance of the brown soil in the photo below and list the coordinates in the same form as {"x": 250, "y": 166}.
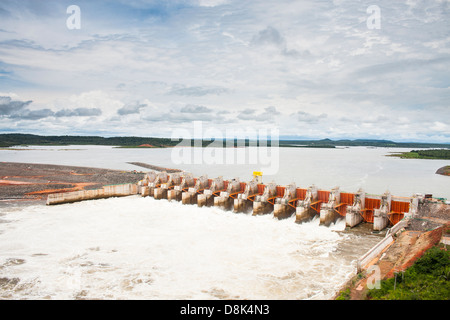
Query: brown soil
{"x": 26, "y": 181}
{"x": 400, "y": 255}
{"x": 445, "y": 171}
{"x": 422, "y": 233}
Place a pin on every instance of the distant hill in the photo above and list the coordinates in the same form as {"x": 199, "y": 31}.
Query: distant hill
{"x": 17, "y": 139}
{"x": 362, "y": 143}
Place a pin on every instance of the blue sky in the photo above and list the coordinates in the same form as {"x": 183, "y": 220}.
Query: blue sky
{"x": 312, "y": 69}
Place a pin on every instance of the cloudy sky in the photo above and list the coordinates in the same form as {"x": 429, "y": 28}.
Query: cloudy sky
{"x": 312, "y": 69}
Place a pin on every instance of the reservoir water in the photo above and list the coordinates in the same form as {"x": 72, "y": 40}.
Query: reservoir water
{"x": 350, "y": 168}
{"x": 141, "y": 248}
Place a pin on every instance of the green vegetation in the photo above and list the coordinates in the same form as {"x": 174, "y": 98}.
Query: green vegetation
{"x": 443, "y": 154}
{"x": 18, "y": 139}
{"x": 8, "y": 140}
{"x": 344, "y": 294}
{"x": 287, "y": 144}
{"x": 427, "y": 279}
{"x": 360, "y": 143}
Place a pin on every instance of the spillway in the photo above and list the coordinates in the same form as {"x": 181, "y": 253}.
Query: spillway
{"x": 142, "y": 248}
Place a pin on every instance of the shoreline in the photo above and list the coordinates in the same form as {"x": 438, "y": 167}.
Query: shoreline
{"x": 31, "y": 183}
{"x": 34, "y": 181}
{"x": 444, "y": 171}
{"x": 429, "y": 228}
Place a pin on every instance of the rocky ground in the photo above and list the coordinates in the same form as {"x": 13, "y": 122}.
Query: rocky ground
{"x": 26, "y": 181}
{"x": 434, "y": 210}
{"x": 444, "y": 171}
{"x": 424, "y": 231}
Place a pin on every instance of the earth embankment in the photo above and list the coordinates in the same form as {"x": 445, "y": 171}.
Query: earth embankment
{"x": 30, "y": 181}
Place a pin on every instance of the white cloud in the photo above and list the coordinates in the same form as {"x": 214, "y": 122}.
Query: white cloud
{"x": 314, "y": 60}
{"x": 211, "y": 3}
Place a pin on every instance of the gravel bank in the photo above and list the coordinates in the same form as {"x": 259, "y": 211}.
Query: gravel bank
{"x": 26, "y": 181}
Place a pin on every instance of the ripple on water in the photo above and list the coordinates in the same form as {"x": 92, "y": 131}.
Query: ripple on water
{"x": 141, "y": 248}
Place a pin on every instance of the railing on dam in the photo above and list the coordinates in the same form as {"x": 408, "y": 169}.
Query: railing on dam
{"x": 118, "y": 190}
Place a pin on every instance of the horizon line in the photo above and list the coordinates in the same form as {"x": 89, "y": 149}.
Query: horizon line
{"x": 281, "y": 138}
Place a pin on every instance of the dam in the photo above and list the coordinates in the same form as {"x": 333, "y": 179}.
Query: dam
{"x": 257, "y": 198}
{"x": 308, "y": 210}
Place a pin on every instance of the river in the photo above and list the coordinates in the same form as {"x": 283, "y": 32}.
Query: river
{"x": 142, "y": 248}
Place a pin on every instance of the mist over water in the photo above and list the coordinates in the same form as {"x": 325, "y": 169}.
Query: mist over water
{"x": 142, "y": 248}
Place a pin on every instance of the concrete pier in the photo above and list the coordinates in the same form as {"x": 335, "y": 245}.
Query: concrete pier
{"x": 381, "y": 215}
{"x": 282, "y": 208}
{"x": 143, "y": 188}
{"x": 382, "y": 211}
{"x": 307, "y": 203}
{"x": 161, "y": 177}
{"x": 145, "y": 191}
{"x": 160, "y": 193}
{"x": 243, "y": 202}
{"x": 414, "y": 205}
{"x": 261, "y": 205}
{"x": 354, "y": 216}
{"x": 328, "y": 213}
{"x": 174, "y": 194}
{"x": 225, "y": 199}
{"x": 190, "y": 196}
{"x": 187, "y": 181}
{"x": 207, "y": 197}
{"x": 303, "y": 211}
{"x": 173, "y": 180}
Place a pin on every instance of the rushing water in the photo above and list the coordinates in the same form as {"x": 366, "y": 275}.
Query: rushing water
{"x": 142, "y": 248}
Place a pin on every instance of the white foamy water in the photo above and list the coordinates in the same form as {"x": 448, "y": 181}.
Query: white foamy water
{"x": 142, "y": 248}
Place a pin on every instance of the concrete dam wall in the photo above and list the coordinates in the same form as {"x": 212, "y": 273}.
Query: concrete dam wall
{"x": 257, "y": 198}
{"x": 119, "y": 190}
